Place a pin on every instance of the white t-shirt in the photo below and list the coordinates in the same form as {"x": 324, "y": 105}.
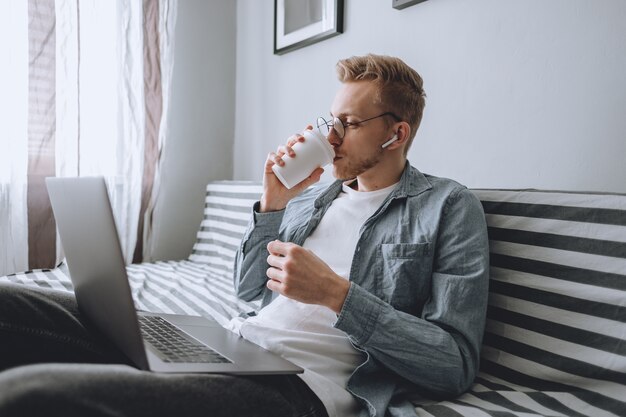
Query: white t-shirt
{"x": 304, "y": 333}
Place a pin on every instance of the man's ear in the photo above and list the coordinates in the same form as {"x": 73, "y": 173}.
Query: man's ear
{"x": 400, "y": 137}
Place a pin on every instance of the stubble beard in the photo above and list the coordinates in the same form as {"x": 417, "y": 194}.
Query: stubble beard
{"x": 353, "y": 169}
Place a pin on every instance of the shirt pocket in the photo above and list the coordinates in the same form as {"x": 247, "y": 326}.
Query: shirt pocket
{"x": 405, "y": 276}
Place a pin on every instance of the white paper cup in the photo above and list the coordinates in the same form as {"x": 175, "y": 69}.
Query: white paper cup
{"x": 314, "y": 152}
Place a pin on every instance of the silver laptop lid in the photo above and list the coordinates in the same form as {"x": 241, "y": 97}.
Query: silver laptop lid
{"x": 82, "y": 210}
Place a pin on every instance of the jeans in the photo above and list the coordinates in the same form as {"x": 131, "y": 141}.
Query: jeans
{"x": 53, "y": 362}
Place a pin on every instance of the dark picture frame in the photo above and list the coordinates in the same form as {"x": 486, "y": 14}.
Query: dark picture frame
{"x": 299, "y": 23}
{"x": 401, "y": 4}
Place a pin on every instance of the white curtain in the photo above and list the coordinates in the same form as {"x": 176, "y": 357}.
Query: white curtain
{"x": 100, "y": 109}
{"x": 13, "y": 135}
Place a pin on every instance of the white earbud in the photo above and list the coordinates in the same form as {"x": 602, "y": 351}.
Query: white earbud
{"x": 390, "y": 141}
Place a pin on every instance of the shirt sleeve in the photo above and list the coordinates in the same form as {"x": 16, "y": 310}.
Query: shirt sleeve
{"x": 251, "y": 257}
{"x": 439, "y": 350}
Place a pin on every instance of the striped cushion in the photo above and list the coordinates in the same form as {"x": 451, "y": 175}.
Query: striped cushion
{"x": 227, "y": 210}
{"x": 186, "y": 287}
{"x": 177, "y": 287}
{"x": 555, "y": 342}
{"x": 56, "y": 279}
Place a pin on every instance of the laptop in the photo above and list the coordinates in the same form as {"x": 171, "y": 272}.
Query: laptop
{"x": 154, "y": 342}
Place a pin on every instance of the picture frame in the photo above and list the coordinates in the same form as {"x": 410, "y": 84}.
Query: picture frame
{"x": 401, "y": 4}
{"x": 299, "y": 23}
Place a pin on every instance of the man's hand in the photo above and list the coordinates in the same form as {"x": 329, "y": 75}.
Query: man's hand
{"x": 299, "y": 274}
{"x": 275, "y": 195}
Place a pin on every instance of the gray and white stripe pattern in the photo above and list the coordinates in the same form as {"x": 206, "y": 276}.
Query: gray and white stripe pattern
{"x": 227, "y": 210}
{"x": 555, "y": 341}
{"x": 556, "y": 325}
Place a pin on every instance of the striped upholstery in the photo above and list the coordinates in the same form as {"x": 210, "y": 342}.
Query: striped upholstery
{"x": 227, "y": 209}
{"x": 555, "y": 342}
{"x": 56, "y": 279}
{"x": 177, "y": 287}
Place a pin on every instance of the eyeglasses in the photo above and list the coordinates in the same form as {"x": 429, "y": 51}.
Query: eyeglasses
{"x": 339, "y": 127}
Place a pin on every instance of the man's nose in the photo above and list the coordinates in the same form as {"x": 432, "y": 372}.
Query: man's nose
{"x": 334, "y": 139}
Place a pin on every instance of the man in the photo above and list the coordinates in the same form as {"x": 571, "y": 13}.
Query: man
{"x": 376, "y": 285}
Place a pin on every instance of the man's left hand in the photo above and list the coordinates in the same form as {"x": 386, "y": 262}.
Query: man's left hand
{"x": 297, "y": 273}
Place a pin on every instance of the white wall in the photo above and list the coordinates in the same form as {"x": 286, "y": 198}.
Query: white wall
{"x": 521, "y": 93}
{"x": 200, "y": 144}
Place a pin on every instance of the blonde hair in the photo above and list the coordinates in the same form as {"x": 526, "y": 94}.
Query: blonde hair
{"x": 400, "y": 87}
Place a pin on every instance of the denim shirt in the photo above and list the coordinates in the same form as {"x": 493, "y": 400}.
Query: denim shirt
{"x": 418, "y": 295}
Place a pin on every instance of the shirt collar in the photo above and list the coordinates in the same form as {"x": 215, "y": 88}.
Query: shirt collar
{"x": 412, "y": 183}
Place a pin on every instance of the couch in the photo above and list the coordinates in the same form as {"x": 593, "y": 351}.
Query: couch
{"x": 555, "y": 340}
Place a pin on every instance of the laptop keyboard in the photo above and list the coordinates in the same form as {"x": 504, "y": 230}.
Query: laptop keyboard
{"x": 172, "y": 345}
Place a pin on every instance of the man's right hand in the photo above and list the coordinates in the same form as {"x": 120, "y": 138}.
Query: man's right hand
{"x": 275, "y": 195}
